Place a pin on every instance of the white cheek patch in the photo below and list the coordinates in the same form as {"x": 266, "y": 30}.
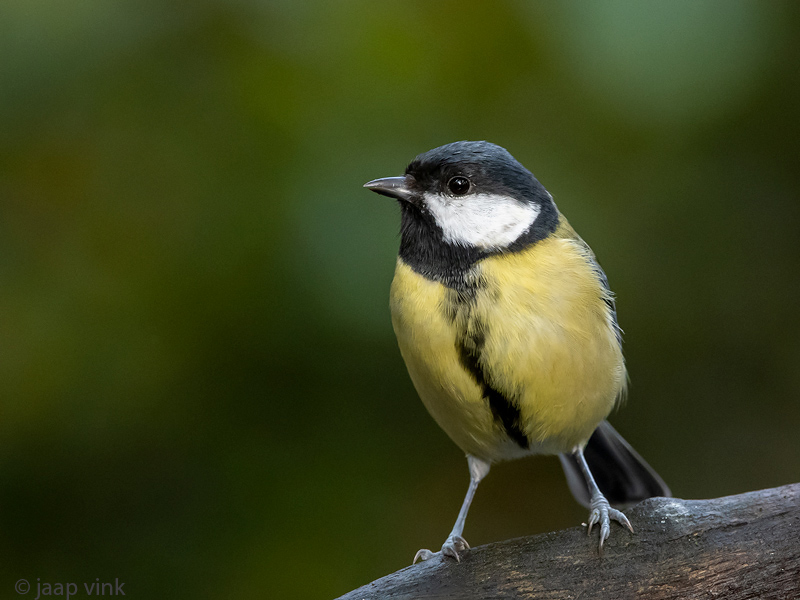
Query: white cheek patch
{"x": 481, "y": 220}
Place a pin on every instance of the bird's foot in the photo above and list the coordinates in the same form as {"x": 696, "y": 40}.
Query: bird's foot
{"x": 600, "y": 512}
{"x": 454, "y": 546}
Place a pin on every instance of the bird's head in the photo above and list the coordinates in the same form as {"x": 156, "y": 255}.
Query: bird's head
{"x": 473, "y": 195}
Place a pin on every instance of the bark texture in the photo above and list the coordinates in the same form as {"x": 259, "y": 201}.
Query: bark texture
{"x": 732, "y": 548}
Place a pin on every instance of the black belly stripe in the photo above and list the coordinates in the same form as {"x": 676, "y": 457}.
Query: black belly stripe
{"x": 503, "y": 410}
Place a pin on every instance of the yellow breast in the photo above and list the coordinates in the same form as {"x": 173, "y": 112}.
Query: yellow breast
{"x": 547, "y": 344}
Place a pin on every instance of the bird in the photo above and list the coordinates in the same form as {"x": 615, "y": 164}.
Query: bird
{"x": 508, "y": 329}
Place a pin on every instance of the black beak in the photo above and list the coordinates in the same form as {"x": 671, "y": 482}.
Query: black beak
{"x": 394, "y": 187}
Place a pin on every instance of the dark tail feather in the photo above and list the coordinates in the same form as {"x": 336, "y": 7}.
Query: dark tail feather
{"x": 621, "y": 474}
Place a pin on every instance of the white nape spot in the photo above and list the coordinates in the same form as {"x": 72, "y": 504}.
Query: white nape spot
{"x": 481, "y": 220}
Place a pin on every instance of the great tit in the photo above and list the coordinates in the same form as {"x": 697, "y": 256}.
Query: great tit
{"x": 509, "y": 330}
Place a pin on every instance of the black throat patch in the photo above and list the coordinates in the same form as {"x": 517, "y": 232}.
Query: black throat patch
{"x": 423, "y": 248}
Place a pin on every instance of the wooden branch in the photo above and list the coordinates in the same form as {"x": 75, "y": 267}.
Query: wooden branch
{"x": 732, "y": 548}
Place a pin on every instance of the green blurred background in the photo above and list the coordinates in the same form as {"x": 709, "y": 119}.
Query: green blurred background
{"x": 201, "y": 391}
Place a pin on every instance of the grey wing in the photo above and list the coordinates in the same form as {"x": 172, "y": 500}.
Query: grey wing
{"x": 608, "y": 299}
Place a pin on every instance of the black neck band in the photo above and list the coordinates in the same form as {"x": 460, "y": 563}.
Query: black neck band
{"x": 423, "y": 248}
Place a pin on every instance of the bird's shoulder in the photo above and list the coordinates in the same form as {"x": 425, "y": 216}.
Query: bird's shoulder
{"x": 565, "y": 231}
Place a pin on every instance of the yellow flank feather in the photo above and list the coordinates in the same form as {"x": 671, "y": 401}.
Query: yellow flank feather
{"x": 547, "y": 340}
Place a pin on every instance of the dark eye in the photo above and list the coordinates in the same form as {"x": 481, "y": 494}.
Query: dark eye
{"x": 458, "y": 185}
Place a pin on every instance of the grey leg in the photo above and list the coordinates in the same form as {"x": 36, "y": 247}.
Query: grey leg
{"x": 600, "y": 510}
{"x": 455, "y": 544}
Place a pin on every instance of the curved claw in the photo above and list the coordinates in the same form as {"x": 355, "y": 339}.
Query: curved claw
{"x": 423, "y": 554}
{"x": 459, "y": 541}
{"x": 620, "y": 518}
{"x": 454, "y": 546}
{"x": 602, "y": 514}
{"x": 594, "y": 518}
